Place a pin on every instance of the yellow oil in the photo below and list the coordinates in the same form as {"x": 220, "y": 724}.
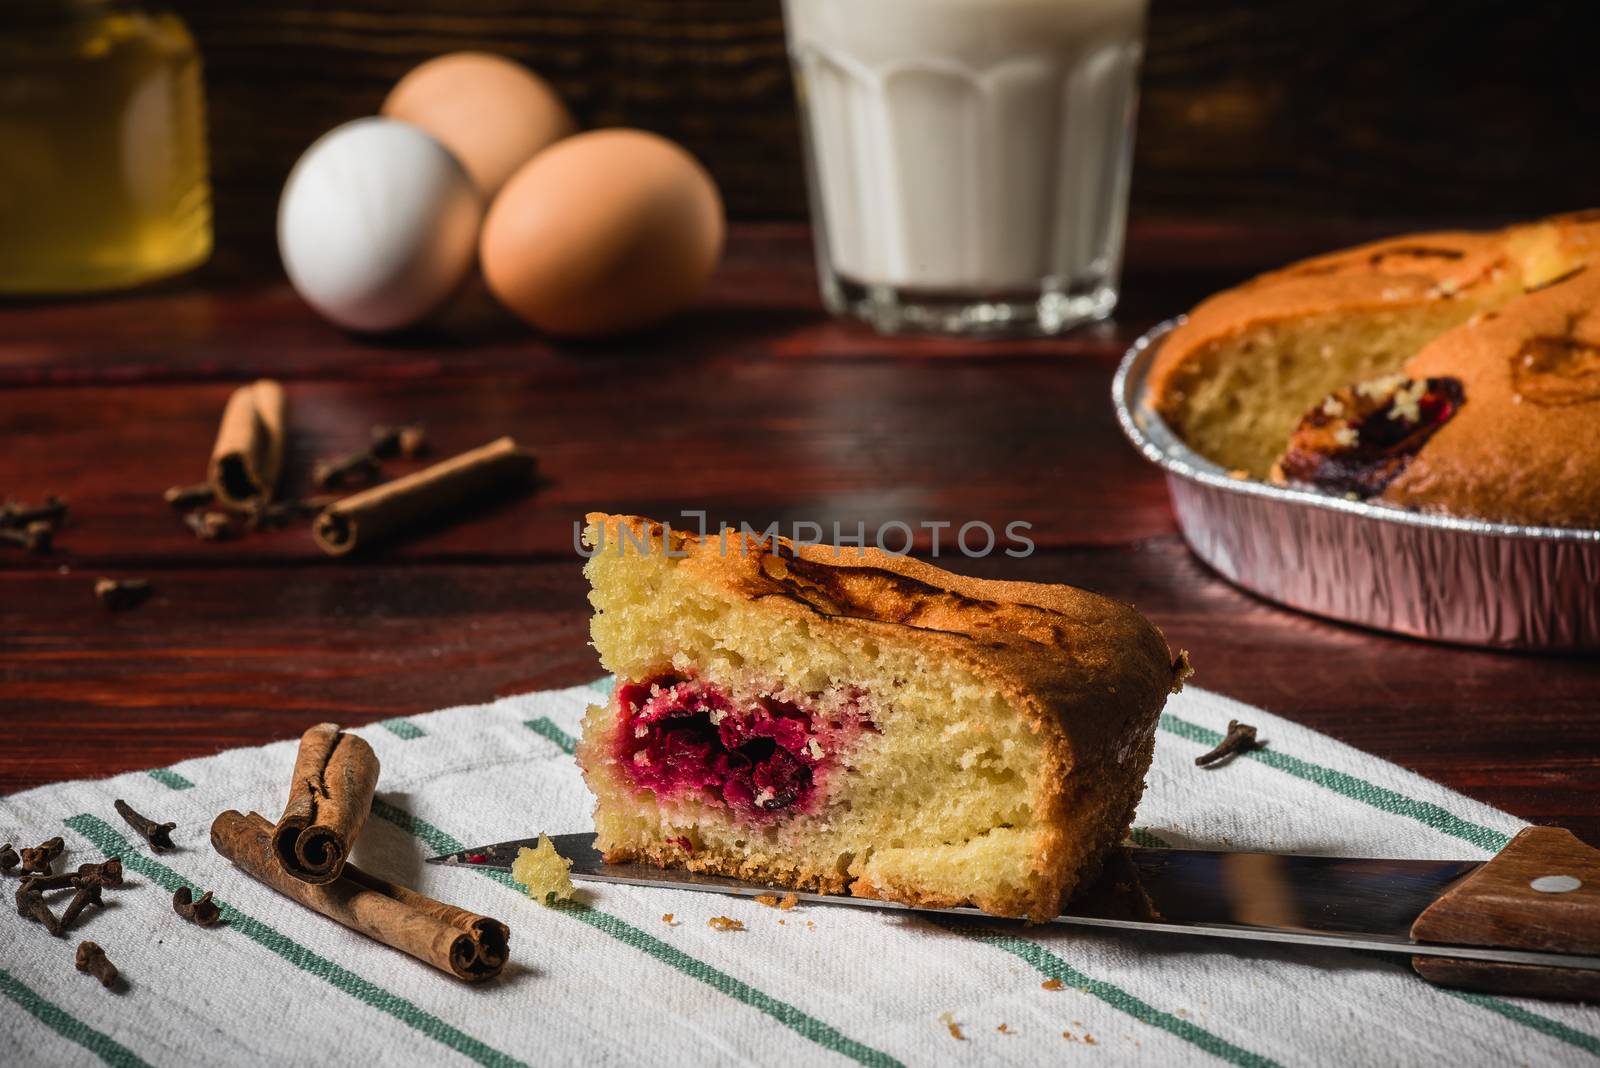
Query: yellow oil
{"x": 102, "y": 148}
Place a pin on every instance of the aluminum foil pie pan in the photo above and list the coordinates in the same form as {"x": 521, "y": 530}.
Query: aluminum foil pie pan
{"x": 1428, "y": 576}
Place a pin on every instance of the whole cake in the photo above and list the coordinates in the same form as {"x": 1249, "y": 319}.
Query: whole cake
{"x": 853, "y": 721}
{"x": 1452, "y": 372}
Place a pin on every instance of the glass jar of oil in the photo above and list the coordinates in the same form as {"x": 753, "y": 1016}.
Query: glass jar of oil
{"x": 102, "y": 147}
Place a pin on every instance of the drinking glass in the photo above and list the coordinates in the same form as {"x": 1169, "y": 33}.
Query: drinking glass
{"x": 968, "y": 160}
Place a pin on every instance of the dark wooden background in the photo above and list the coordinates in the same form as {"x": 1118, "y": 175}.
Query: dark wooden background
{"x": 1257, "y": 109}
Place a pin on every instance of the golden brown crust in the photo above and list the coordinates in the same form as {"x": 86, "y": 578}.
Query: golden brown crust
{"x": 1529, "y": 362}
{"x": 1393, "y": 275}
{"x": 1089, "y": 673}
{"x": 1522, "y": 446}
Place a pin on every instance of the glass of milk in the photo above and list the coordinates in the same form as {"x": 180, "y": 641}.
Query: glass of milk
{"x": 968, "y": 159}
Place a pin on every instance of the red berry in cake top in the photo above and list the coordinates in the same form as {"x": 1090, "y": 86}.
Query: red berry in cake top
{"x": 1360, "y": 439}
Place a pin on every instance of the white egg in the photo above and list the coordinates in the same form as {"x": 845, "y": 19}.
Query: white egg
{"x": 378, "y": 225}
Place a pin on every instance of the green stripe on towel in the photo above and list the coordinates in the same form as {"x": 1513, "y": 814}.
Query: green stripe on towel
{"x": 1542, "y": 1024}
{"x": 788, "y": 1015}
{"x": 1053, "y": 967}
{"x": 67, "y": 1026}
{"x": 170, "y": 779}
{"x": 403, "y": 729}
{"x": 111, "y": 843}
{"x": 543, "y": 726}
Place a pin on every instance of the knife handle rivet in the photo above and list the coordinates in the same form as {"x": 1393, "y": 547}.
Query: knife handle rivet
{"x": 1555, "y": 884}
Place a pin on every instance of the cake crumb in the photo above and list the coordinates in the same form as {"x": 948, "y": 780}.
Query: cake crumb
{"x": 1004, "y": 1029}
{"x": 789, "y": 901}
{"x": 1052, "y": 984}
{"x": 1379, "y": 388}
{"x": 782, "y": 923}
{"x": 955, "y": 1029}
{"x": 545, "y": 873}
{"x": 725, "y": 923}
{"x": 666, "y": 918}
{"x": 809, "y": 925}
{"x": 769, "y": 900}
{"x": 1088, "y": 1039}
{"x": 1407, "y": 403}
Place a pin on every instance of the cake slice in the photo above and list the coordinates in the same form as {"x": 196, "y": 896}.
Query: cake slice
{"x": 849, "y": 721}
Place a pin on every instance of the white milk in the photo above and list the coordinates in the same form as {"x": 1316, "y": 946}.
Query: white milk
{"x": 973, "y": 147}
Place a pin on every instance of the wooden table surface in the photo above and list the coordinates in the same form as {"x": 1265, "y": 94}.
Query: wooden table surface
{"x": 753, "y": 407}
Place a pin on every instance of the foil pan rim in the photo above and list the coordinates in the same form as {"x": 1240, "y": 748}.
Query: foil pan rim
{"x": 1150, "y": 434}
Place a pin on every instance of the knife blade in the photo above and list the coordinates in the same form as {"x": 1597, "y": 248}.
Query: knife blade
{"x": 1334, "y": 902}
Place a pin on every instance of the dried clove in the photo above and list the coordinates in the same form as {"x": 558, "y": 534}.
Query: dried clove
{"x": 406, "y": 442}
{"x": 39, "y": 857}
{"x": 108, "y": 871}
{"x": 44, "y": 883}
{"x": 201, "y": 911}
{"x": 120, "y": 594}
{"x": 209, "y": 525}
{"x": 185, "y": 497}
{"x": 362, "y": 467}
{"x": 17, "y": 514}
{"x": 35, "y": 860}
{"x": 88, "y": 894}
{"x": 158, "y": 835}
{"x": 357, "y": 469}
{"x": 1241, "y": 738}
{"x": 92, "y": 959}
{"x": 8, "y": 857}
{"x": 31, "y": 903}
{"x": 34, "y": 538}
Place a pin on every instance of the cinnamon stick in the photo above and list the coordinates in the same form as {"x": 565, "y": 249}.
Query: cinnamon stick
{"x": 248, "y": 455}
{"x": 330, "y": 795}
{"x": 468, "y": 946}
{"x": 426, "y": 495}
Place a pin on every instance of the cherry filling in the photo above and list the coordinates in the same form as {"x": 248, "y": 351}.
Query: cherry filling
{"x": 679, "y": 737}
{"x": 1360, "y": 439}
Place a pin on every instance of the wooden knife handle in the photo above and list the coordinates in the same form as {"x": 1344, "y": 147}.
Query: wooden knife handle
{"x": 1541, "y": 893}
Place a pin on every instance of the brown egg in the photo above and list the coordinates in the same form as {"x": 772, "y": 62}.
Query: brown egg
{"x": 493, "y": 113}
{"x": 604, "y": 232}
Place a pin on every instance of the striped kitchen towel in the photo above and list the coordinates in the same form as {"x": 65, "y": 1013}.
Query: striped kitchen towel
{"x": 612, "y": 981}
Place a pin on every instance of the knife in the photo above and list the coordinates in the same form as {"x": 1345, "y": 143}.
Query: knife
{"x": 1526, "y": 922}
